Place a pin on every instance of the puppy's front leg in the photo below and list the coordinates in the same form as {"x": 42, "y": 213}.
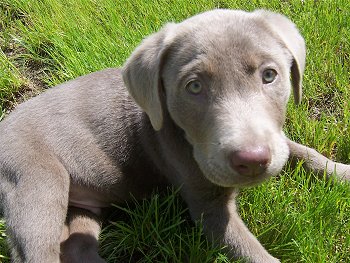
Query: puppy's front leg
{"x": 223, "y": 224}
{"x": 316, "y": 162}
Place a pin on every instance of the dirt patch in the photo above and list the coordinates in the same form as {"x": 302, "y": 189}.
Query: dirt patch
{"x": 32, "y": 73}
{"x": 321, "y": 105}
{"x": 326, "y": 104}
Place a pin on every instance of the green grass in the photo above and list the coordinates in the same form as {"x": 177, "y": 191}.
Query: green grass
{"x": 157, "y": 230}
{"x": 298, "y": 218}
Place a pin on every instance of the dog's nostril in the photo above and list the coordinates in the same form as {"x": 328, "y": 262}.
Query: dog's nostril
{"x": 251, "y": 161}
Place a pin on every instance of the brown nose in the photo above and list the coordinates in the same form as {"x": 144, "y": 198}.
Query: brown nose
{"x": 251, "y": 161}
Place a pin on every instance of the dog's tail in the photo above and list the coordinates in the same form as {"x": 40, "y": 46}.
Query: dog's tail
{"x": 316, "y": 162}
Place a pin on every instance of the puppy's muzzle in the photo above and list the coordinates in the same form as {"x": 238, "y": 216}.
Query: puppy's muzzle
{"x": 250, "y": 161}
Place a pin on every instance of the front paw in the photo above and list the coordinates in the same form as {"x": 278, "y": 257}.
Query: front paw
{"x": 256, "y": 256}
{"x": 272, "y": 260}
{"x": 265, "y": 259}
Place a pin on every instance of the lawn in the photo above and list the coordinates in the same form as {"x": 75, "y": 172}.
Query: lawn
{"x": 298, "y": 217}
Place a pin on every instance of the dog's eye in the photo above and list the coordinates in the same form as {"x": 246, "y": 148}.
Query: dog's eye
{"x": 269, "y": 75}
{"x": 194, "y": 87}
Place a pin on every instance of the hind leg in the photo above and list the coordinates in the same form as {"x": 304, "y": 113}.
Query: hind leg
{"x": 35, "y": 199}
{"x": 82, "y": 244}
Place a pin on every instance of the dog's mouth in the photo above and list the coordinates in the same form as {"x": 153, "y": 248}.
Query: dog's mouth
{"x": 229, "y": 178}
{"x": 255, "y": 171}
{"x": 225, "y": 176}
{"x": 242, "y": 168}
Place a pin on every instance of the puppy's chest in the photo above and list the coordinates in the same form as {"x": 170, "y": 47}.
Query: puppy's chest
{"x": 137, "y": 179}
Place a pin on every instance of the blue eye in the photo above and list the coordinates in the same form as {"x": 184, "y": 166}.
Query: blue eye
{"x": 269, "y": 75}
{"x": 194, "y": 87}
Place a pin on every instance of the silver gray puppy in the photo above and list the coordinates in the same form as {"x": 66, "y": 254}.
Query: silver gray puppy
{"x": 211, "y": 95}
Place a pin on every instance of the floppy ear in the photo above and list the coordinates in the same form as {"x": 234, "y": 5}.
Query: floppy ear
{"x": 141, "y": 74}
{"x": 290, "y": 36}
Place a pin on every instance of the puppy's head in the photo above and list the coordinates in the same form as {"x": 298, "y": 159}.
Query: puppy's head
{"x": 226, "y": 78}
